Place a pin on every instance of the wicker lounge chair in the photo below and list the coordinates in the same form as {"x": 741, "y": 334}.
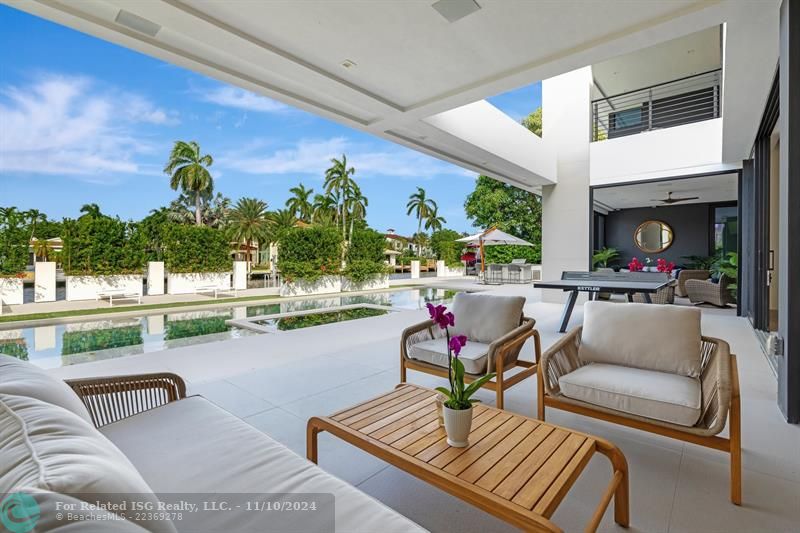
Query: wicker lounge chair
{"x": 686, "y": 275}
{"x": 664, "y": 295}
{"x": 663, "y": 387}
{"x": 496, "y": 330}
{"x": 709, "y": 292}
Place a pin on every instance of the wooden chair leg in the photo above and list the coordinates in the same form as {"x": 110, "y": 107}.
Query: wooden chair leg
{"x": 735, "y": 421}
{"x": 539, "y": 394}
{"x": 402, "y": 369}
{"x": 499, "y": 379}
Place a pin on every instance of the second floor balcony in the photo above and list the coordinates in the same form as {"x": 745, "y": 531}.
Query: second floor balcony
{"x": 673, "y": 103}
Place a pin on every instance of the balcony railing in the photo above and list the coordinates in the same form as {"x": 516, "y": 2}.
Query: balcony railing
{"x": 683, "y": 101}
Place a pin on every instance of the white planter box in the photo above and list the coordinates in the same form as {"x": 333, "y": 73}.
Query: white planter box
{"x": 324, "y": 285}
{"x": 444, "y": 271}
{"x": 87, "y": 287}
{"x": 155, "y": 278}
{"x": 380, "y": 282}
{"x": 10, "y": 291}
{"x": 240, "y": 275}
{"x": 188, "y": 283}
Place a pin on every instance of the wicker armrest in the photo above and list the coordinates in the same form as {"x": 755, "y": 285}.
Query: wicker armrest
{"x": 109, "y": 399}
{"x": 414, "y": 334}
{"x": 509, "y": 345}
{"x": 717, "y": 384}
{"x": 560, "y": 359}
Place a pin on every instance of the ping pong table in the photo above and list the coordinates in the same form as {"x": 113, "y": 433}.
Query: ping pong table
{"x": 627, "y": 283}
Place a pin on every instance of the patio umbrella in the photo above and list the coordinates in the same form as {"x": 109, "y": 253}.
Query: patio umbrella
{"x": 492, "y": 237}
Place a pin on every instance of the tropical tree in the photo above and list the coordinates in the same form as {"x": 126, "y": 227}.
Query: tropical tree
{"x": 434, "y": 222}
{"x": 357, "y": 206}
{"x": 300, "y": 202}
{"x": 249, "y": 222}
{"x": 91, "y": 210}
{"x": 215, "y": 209}
{"x": 422, "y": 207}
{"x": 324, "y": 209}
{"x": 534, "y": 121}
{"x": 188, "y": 170}
{"x": 43, "y": 250}
{"x": 280, "y": 222}
{"x": 517, "y": 211}
{"x": 339, "y": 184}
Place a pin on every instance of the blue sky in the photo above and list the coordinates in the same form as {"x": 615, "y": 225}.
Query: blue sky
{"x": 83, "y": 120}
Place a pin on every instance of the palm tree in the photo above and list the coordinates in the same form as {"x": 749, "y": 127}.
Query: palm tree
{"x": 43, "y": 250}
{"x": 91, "y": 211}
{"x": 324, "y": 208}
{"x": 188, "y": 169}
{"x": 422, "y": 206}
{"x": 357, "y": 206}
{"x": 434, "y": 222}
{"x": 249, "y": 222}
{"x": 339, "y": 183}
{"x": 281, "y": 221}
{"x": 300, "y": 203}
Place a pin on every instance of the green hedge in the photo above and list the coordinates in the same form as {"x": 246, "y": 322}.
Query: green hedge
{"x": 504, "y": 253}
{"x": 195, "y": 249}
{"x": 366, "y": 245}
{"x": 310, "y": 253}
{"x": 444, "y": 245}
{"x": 95, "y": 246}
{"x": 14, "y": 235}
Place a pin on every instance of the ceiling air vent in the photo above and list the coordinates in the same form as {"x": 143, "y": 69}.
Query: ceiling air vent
{"x": 137, "y": 23}
{"x": 454, "y": 10}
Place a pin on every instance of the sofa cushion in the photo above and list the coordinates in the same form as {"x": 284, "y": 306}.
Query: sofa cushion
{"x": 193, "y": 445}
{"x": 665, "y": 338}
{"x": 647, "y": 393}
{"x": 484, "y": 317}
{"x": 21, "y": 378}
{"x": 473, "y": 356}
{"x": 49, "y": 448}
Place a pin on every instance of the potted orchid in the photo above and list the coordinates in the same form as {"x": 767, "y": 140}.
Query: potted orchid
{"x": 457, "y": 408}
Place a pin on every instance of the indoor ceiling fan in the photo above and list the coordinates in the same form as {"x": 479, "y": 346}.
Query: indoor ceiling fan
{"x": 670, "y": 200}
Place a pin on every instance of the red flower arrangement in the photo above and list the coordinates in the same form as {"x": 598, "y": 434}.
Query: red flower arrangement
{"x": 635, "y": 265}
{"x": 663, "y": 266}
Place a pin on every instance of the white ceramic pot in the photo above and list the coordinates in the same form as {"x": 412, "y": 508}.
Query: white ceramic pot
{"x": 457, "y": 423}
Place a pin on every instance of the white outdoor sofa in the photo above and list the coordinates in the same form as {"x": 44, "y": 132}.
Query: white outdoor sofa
{"x": 216, "y": 290}
{"x": 139, "y": 435}
{"x": 120, "y": 294}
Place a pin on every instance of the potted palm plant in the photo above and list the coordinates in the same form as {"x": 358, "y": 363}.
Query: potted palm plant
{"x": 457, "y": 407}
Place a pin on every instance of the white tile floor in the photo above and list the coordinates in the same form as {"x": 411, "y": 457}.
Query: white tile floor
{"x": 276, "y": 382}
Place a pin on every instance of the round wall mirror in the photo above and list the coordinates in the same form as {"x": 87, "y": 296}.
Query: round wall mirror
{"x": 653, "y": 236}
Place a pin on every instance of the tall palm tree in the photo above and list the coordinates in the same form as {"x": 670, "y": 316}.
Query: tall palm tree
{"x": 324, "y": 208}
{"x": 188, "y": 169}
{"x": 300, "y": 203}
{"x": 357, "y": 206}
{"x": 281, "y": 221}
{"x": 339, "y": 183}
{"x": 422, "y": 206}
{"x": 91, "y": 210}
{"x": 249, "y": 222}
{"x": 434, "y": 222}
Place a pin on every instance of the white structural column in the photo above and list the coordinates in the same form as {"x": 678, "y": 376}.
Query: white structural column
{"x": 45, "y": 282}
{"x": 414, "y": 269}
{"x": 240, "y": 275}
{"x": 155, "y": 278}
{"x": 566, "y": 119}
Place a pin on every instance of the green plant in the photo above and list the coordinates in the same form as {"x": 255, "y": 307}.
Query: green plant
{"x": 604, "y": 256}
{"x": 92, "y": 340}
{"x": 97, "y": 245}
{"x": 179, "y": 329}
{"x": 300, "y": 204}
{"x": 513, "y": 210}
{"x": 188, "y": 170}
{"x": 360, "y": 271}
{"x": 700, "y": 262}
{"x": 364, "y": 255}
{"x": 14, "y": 237}
{"x": 310, "y": 253}
{"x": 729, "y": 266}
{"x": 505, "y": 253}
{"x": 249, "y": 222}
{"x": 15, "y": 348}
{"x": 422, "y": 207}
{"x": 195, "y": 249}
{"x": 318, "y": 319}
{"x": 444, "y": 245}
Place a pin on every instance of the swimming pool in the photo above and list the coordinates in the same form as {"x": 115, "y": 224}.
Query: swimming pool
{"x": 85, "y": 341}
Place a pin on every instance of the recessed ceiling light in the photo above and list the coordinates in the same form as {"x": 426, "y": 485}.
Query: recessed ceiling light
{"x": 348, "y": 64}
{"x": 454, "y": 10}
{"x": 137, "y": 23}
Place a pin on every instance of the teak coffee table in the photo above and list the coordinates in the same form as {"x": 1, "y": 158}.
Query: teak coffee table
{"x": 516, "y": 468}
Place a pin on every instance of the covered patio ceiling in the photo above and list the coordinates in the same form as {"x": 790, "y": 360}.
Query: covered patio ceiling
{"x": 402, "y": 71}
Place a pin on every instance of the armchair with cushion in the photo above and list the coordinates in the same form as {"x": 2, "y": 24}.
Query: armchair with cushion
{"x": 496, "y": 330}
{"x": 686, "y": 275}
{"x": 648, "y": 367}
{"x": 718, "y": 294}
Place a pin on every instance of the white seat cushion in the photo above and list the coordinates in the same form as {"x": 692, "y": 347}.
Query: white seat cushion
{"x": 194, "y": 446}
{"x": 665, "y": 338}
{"x": 21, "y": 378}
{"x": 647, "y": 393}
{"x": 484, "y": 317}
{"x": 473, "y": 356}
{"x": 45, "y": 447}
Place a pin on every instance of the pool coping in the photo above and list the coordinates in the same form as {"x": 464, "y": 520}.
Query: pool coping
{"x": 249, "y": 323}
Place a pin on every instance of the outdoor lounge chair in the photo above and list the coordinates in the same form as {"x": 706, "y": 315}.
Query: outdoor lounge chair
{"x": 648, "y": 367}
{"x": 664, "y": 295}
{"x": 496, "y": 330}
{"x": 718, "y": 294}
{"x": 686, "y": 275}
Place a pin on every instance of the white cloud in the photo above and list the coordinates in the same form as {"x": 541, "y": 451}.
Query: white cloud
{"x": 313, "y": 157}
{"x": 66, "y": 125}
{"x": 237, "y": 98}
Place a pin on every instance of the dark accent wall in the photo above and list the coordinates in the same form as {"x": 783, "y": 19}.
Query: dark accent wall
{"x": 691, "y": 227}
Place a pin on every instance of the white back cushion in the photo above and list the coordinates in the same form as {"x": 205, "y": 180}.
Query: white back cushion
{"x": 21, "y": 378}
{"x": 48, "y": 448}
{"x": 484, "y": 317}
{"x": 665, "y": 338}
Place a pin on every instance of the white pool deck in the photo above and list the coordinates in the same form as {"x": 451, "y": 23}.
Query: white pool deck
{"x": 276, "y": 382}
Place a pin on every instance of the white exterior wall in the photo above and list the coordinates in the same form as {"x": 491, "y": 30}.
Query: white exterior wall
{"x": 414, "y": 269}
{"x": 44, "y": 289}
{"x": 681, "y": 150}
{"x": 188, "y": 283}
{"x": 155, "y": 278}
{"x": 324, "y": 285}
{"x": 87, "y": 287}
{"x": 240, "y": 275}
{"x": 566, "y": 119}
{"x": 11, "y": 291}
